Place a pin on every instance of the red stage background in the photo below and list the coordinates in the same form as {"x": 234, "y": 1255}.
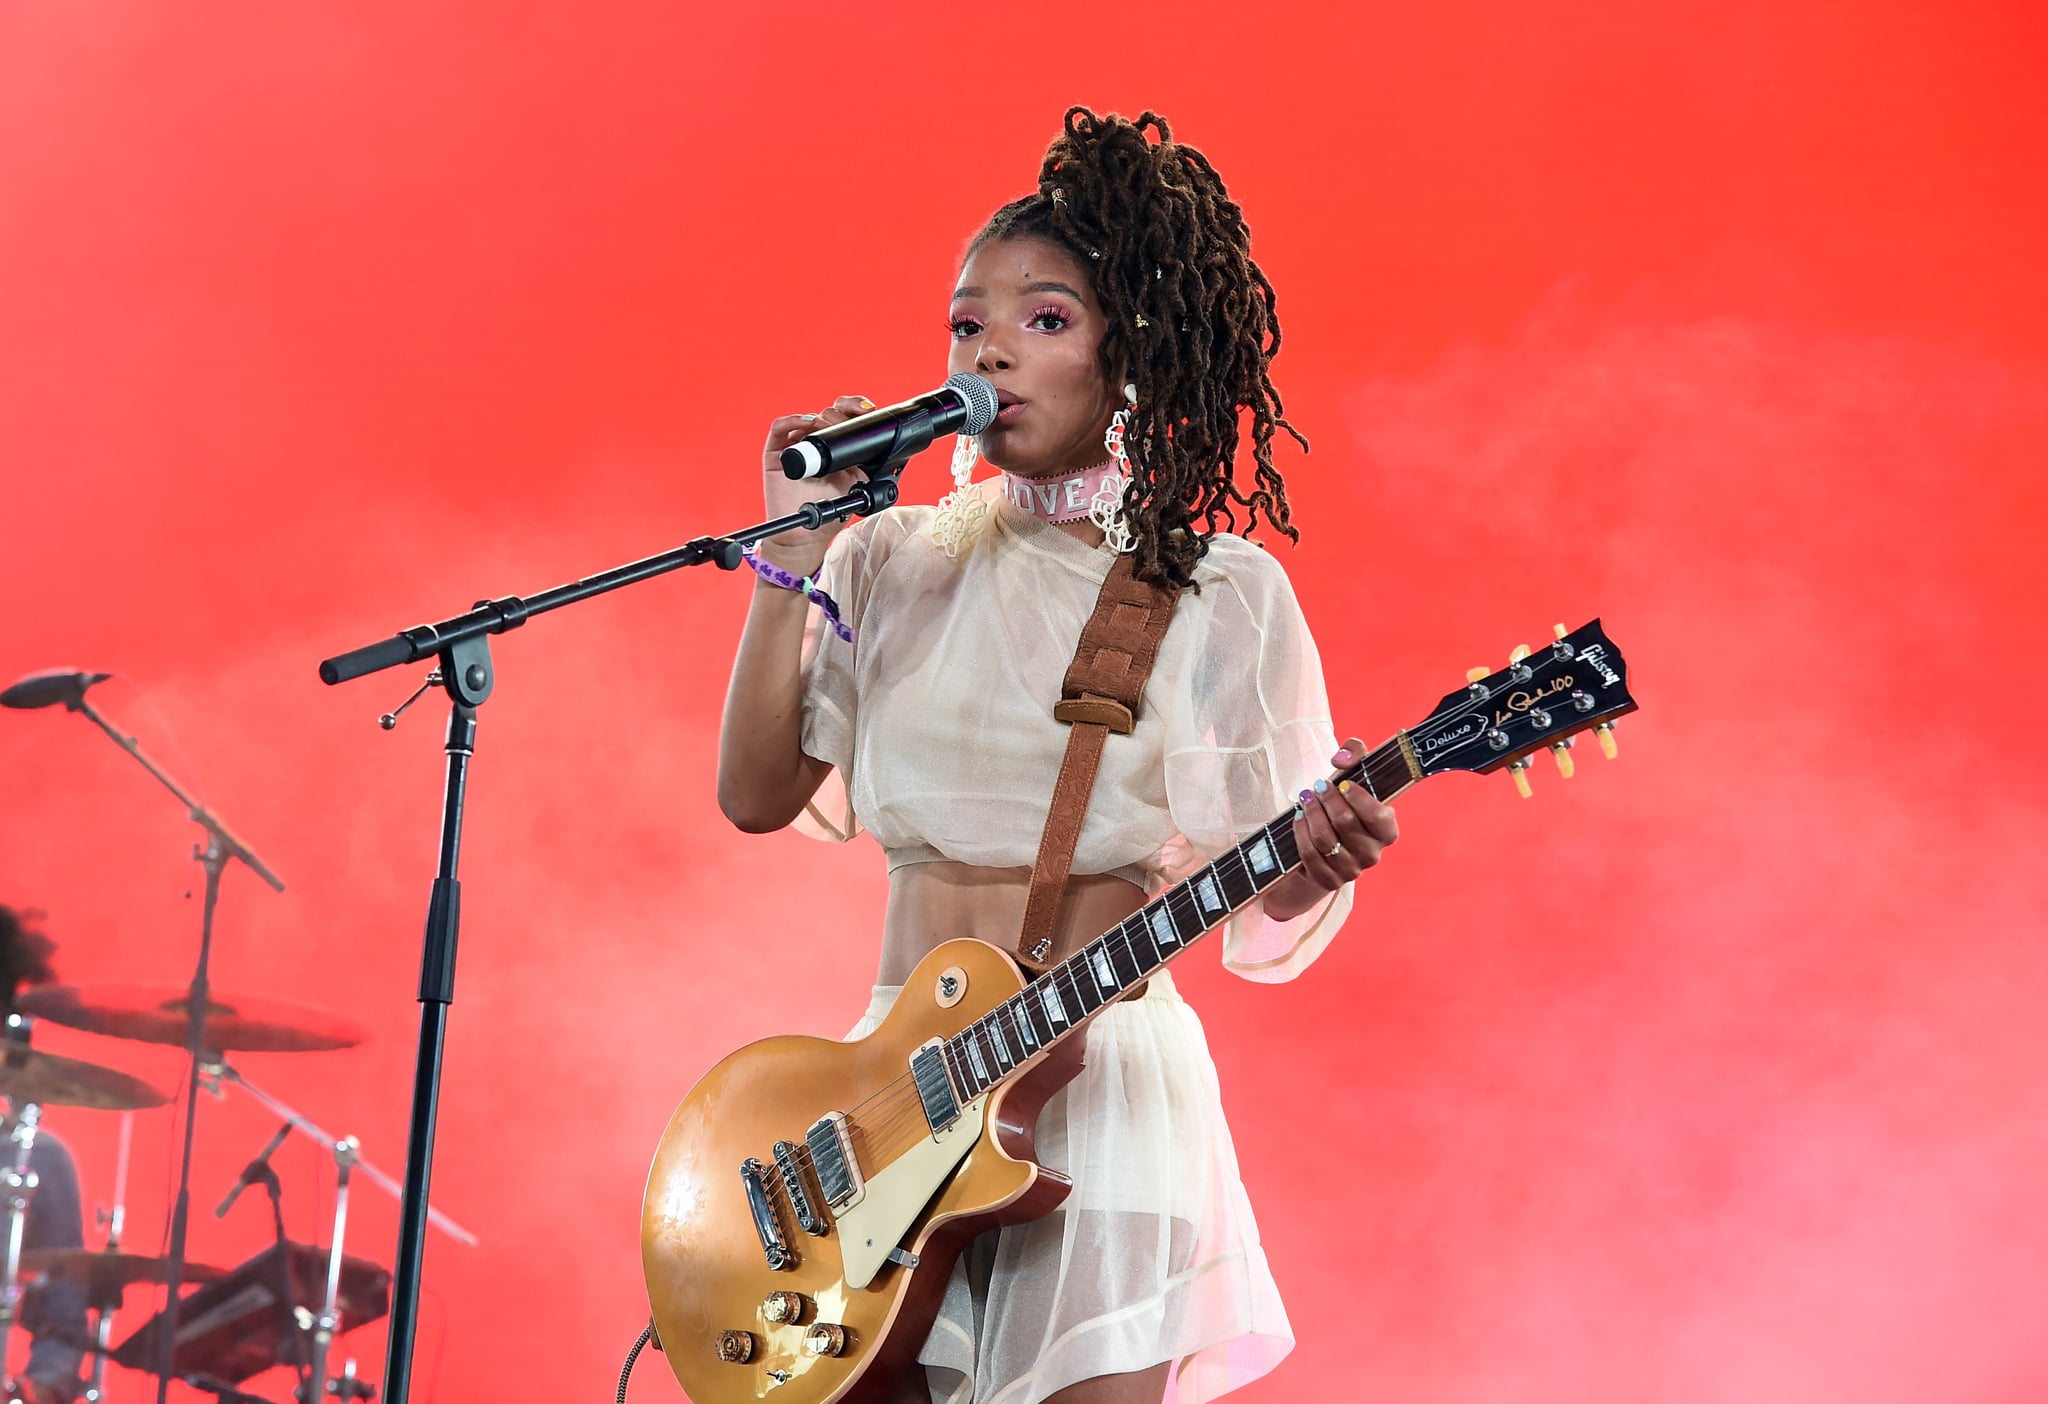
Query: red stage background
{"x": 1714, "y": 1074}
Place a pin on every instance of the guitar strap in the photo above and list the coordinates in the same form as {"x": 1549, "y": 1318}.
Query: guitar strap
{"x": 1099, "y": 695}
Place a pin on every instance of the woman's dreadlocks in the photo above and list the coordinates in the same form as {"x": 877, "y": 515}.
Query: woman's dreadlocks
{"x": 1190, "y": 314}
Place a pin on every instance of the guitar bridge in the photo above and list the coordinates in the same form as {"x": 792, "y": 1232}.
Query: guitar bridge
{"x": 753, "y": 1175}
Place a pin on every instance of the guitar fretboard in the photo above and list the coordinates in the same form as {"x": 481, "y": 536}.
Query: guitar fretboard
{"x": 1059, "y": 1001}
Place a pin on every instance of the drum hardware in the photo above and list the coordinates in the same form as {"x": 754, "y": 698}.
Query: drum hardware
{"x": 328, "y": 1323}
{"x": 32, "y": 1078}
{"x": 163, "y": 1014}
{"x": 220, "y": 846}
{"x": 292, "y": 1318}
{"x": 106, "y": 1271}
{"x": 113, "y": 1221}
{"x": 233, "y": 1328}
{"x": 19, "y": 1183}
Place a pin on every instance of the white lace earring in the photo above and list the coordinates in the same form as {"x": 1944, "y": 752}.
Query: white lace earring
{"x": 961, "y": 510}
{"x": 1106, "y": 508}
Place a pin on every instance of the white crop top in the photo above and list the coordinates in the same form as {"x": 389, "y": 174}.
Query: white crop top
{"x": 937, "y": 719}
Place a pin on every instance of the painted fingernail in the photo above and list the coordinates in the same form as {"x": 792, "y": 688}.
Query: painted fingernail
{"x": 1343, "y": 787}
{"x": 1322, "y": 787}
{"x": 808, "y": 418}
{"x": 1306, "y": 796}
{"x": 866, "y": 403}
{"x": 1344, "y": 757}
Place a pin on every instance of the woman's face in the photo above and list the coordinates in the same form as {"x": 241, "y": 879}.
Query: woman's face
{"x": 1023, "y": 318}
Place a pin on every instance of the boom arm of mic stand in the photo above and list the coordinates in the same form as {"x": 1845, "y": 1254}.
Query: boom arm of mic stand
{"x": 230, "y": 845}
{"x": 503, "y": 615}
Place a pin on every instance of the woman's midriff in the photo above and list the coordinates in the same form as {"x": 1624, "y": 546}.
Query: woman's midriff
{"x": 932, "y": 903}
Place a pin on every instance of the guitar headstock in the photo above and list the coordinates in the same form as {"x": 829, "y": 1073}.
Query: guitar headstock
{"x": 1539, "y": 701}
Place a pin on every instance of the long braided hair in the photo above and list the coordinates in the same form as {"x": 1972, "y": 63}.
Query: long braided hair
{"x": 1191, "y": 320}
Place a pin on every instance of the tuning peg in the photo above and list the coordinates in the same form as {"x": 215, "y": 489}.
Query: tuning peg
{"x": 1520, "y": 770}
{"x": 1561, "y": 630}
{"x": 1475, "y": 674}
{"x": 1563, "y": 751}
{"x": 1605, "y": 731}
{"x": 1518, "y": 653}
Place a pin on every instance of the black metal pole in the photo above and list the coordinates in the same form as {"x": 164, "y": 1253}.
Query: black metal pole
{"x": 195, "y": 1045}
{"x": 466, "y": 673}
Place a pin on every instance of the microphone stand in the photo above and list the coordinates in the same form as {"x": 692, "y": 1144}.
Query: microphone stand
{"x": 462, "y": 645}
{"x": 221, "y": 845}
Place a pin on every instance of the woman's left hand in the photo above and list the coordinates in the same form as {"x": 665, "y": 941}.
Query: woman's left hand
{"x": 1342, "y": 831}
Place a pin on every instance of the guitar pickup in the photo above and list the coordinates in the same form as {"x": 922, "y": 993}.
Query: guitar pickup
{"x": 830, "y": 1140}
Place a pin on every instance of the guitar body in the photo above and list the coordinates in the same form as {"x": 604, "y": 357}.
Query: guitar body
{"x": 707, "y": 1268}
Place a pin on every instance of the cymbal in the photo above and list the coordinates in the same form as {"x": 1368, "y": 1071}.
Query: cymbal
{"x": 102, "y": 1271}
{"x": 30, "y": 1075}
{"x": 162, "y": 1014}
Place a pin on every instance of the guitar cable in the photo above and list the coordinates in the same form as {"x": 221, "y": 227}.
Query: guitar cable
{"x": 646, "y": 1335}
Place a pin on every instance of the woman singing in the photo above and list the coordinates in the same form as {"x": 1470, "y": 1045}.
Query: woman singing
{"x": 1128, "y": 333}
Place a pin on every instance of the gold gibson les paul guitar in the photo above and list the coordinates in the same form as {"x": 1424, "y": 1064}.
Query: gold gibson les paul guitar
{"x": 809, "y": 1197}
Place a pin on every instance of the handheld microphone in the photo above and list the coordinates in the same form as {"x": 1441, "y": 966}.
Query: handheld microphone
{"x": 253, "y": 1171}
{"x": 48, "y": 688}
{"x": 881, "y": 438}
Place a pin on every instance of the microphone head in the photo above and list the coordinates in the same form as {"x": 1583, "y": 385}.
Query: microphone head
{"x": 980, "y": 397}
{"x": 48, "y": 688}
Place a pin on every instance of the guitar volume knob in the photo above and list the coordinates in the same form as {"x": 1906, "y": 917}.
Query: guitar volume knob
{"x": 825, "y": 1339}
{"x": 782, "y": 1308}
{"x": 735, "y": 1347}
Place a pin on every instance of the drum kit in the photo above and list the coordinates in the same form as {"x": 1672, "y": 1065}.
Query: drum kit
{"x": 284, "y": 1307}
{"x": 288, "y": 1304}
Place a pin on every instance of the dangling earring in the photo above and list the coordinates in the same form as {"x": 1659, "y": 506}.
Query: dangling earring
{"x": 1106, "y": 508}
{"x": 961, "y": 510}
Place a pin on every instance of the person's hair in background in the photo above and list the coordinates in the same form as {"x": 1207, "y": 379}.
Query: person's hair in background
{"x": 24, "y": 953}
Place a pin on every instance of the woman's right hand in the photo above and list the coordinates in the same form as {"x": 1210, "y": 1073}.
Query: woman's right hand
{"x": 803, "y": 552}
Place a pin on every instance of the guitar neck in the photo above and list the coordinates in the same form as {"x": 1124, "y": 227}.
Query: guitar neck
{"x": 1058, "y": 1002}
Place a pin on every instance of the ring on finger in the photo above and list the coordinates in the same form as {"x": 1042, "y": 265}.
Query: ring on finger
{"x": 1334, "y": 850}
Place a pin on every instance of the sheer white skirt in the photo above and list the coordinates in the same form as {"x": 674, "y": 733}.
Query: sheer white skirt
{"x": 1153, "y": 1258}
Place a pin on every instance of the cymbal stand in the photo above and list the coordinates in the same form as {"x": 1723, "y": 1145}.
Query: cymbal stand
{"x": 327, "y": 1324}
{"x": 113, "y": 1221}
{"x": 19, "y": 1183}
{"x": 221, "y": 845}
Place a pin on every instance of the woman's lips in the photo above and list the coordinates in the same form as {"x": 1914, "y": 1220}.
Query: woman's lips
{"x": 1007, "y": 415}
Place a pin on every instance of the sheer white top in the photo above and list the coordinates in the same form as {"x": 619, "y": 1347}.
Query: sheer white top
{"x": 937, "y": 719}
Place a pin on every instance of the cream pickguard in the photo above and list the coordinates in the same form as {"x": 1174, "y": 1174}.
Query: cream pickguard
{"x": 895, "y": 1195}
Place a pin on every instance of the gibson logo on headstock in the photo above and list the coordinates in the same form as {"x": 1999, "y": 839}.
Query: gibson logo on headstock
{"x": 1594, "y": 656}
{"x": 1521, "y": 700}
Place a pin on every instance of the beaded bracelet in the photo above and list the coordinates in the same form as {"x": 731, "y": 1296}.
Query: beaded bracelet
{"x": 809, "y": 587}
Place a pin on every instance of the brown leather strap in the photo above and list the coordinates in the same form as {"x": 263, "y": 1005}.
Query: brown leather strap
{"x": 1099, "y": 695}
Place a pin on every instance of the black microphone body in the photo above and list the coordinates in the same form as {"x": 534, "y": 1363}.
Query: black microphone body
{"x": 48, "y": 688}
{"x": 255, "y": 1171}
{"x": 965, "y": 404}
